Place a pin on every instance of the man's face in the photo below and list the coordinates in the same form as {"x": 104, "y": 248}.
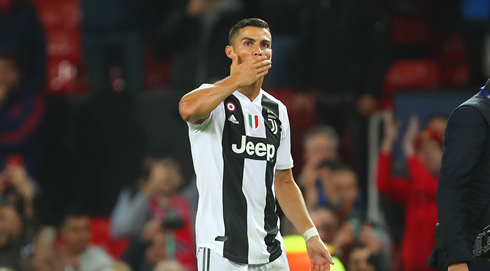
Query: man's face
{"x": 76, "y": 233}
{"x": 327, "y": 224}
{"x": 358, "y": 260}
{"x": 167, "y": 176}
{"x": 252, "y": 42}
{"x": 10, "y": 224}
{"x": 319, "y": 148}
{"x": 431, "y": 155}
{"x": 346, "y": 185}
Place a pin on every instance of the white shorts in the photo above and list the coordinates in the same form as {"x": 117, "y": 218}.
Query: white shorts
{"x": 208, "y": 260}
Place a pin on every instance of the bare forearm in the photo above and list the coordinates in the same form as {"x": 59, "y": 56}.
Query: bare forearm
{"x": 198, "y": 104}
{"x": 292, "y": 203}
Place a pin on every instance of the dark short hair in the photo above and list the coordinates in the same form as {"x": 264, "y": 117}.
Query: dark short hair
{"x": 255, "y": 22}
{"x": 76, "y": 210}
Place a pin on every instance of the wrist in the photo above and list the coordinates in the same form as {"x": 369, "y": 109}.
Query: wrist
{"x": 310, "y": 233}
{"x": 233, "y": 82}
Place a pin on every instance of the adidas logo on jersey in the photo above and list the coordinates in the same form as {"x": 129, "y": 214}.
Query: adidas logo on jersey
{"x": 260, "y": 150}
{"x": 233, "y": 119}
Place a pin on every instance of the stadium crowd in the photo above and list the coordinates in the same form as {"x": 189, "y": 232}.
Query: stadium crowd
{"x": 88, "y": 188}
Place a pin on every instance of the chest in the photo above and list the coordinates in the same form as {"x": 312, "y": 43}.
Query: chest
{"x": 251, "y": 130}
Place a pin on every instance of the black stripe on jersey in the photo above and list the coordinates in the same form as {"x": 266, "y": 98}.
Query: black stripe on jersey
{"x": 270, "y": 112}
{"x": 208, "y": 259}
{"x": 234, "y": 202}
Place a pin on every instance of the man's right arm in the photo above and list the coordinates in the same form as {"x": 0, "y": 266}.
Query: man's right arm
{"x": 196, "y": 106}
{"x": 464, "y": 141}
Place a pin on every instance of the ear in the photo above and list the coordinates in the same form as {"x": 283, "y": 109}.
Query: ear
{"x": 229, "y": 52}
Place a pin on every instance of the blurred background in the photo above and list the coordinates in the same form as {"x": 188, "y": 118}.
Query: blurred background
{"x": 95, "y": 164}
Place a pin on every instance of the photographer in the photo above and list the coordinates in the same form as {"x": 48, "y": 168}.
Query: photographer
{"x": 463, "y": 192}
{"x": 156, "y": 216}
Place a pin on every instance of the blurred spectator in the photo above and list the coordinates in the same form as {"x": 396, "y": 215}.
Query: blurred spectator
{"x": 342, "y": 238}
{"x": 345, "y": 64}
{"x": 282, "y": 17}
{"x": 21, "y": 34}
{"x": 16, "y": 237}
{"x": 111, "y": 33}
{"x": 423, "y": 154}
{"x": 201, "y": 57}
{"x": 337, "y": 187}
{"x": 326, "y": 222}
{"x": 320, "y": 143}
{"x": 156, "y": 216}
{"x": 18, "y": 190}
{"x": 45, "y": 254}
{"x": 359, "y": 260}
{"x": 169, "y": 266}
{"x": 78, "y": 254}
{"x": 21, "y": 116}
{"x": 347, "y": 56}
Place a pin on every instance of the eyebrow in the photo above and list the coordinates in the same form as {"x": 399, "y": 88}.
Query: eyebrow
{"x": 250, "y": 39}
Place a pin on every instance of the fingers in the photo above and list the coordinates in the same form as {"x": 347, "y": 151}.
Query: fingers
{"x": 234, "y": 60}
{"x": 257, "y": 59}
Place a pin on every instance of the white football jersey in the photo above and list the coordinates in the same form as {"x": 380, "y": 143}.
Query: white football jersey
{"x": 236, "y": 151}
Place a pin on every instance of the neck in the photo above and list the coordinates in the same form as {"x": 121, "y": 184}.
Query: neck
{"x": 253, "y": 90}
{"x": 75, "y": 252}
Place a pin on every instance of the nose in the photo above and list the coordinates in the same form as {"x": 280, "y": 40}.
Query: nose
{"x": 258, "y": 51}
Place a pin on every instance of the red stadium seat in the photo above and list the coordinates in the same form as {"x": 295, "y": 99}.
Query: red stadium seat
{"x": 455, "y": 75}
{"x": 59, "y": 14}
{"x": 409, "y": 31}
{"x": 63, "y": 43}
{"x": 102, "y": 236}
{"x": 410, "y": 74}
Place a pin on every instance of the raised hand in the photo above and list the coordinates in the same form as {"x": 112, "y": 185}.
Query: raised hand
{"x": 390, "y": 132}
{"x": 248, "y": 72}
{"x": 319, "y": 256}
{"x": 410, "y": 136}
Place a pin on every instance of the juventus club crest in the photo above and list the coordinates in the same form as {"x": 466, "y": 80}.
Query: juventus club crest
{"x": 253, "y": 120}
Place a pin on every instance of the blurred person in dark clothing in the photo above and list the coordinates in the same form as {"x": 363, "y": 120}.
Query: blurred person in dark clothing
{"x": 201, "y": 56}
{"x": 111, "y": 34}
{"x": 345, "y": 65}
{"x": 463, "y": 186}
{"x": 21, "y": 117}
{"x": 321, "y": 143}
{"x": 22, "y": 34}
{"x": 282, "y": 17}
{"x": 16, "y": 236}
{"x": 347, "y": 56}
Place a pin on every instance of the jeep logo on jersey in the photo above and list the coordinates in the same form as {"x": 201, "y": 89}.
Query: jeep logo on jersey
{"x": 255, "y": 148}
{"x": 253, "y": 120}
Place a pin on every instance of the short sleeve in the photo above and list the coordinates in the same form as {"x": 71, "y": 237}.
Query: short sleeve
{"x": 284, "y": 158}
{"x": 202, "y": 126}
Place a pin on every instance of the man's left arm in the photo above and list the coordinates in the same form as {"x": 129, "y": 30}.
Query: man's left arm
{"x": 291, "y": 201}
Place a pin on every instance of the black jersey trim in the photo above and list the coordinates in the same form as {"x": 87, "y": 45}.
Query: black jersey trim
{"x": 236, "y": 246}
{"x": 270, "y": 112}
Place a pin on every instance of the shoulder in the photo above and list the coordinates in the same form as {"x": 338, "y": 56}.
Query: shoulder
{"x": 272, "y": 98}
{"x": 282, "y": 108}
{"x": 97, "y": 254}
